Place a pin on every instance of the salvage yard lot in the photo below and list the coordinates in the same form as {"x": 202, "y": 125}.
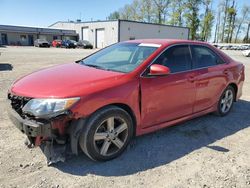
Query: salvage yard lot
{"x": 208, "y": 151}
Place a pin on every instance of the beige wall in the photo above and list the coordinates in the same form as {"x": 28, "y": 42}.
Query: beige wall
{"x": 15, "y": 39}
{"x": 110, "y": 30}
{"x": 136, "y": 30}
{"x": 128, "y": 31}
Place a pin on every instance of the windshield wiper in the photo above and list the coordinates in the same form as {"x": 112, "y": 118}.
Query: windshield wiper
{"x": 96, "y": 66}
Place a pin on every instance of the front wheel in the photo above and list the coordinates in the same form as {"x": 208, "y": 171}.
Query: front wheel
{"x": 225, "y": 103}
{"x": 106, "y": 134}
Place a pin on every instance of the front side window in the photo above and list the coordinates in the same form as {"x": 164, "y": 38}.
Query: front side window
{"x": 204, "y": 57}
{"x": 121, "y": 57}
{"x": 176, "y": 58}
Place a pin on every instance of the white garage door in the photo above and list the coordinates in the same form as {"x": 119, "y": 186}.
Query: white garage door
{"x": 85, "y": 33}
{"x": 99, "y": 38}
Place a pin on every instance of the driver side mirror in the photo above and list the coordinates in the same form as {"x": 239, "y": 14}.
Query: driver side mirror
{"x": 158, "y": 70}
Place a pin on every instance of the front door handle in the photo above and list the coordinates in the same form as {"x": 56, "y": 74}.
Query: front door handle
{"x": 191, "y": 78}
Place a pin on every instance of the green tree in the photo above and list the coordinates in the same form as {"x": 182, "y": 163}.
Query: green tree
{"x": 192, "y": 16}
{"x": 246, "y": 38}
{"x": 147, "y": 10}
{"x": 225, "y": 4}
{"x": 177, "y": 12}
{"x": 245, "y": 14}
{"x": 217, "y": 33}
{"x": 114, "y": 16}
{"x": 161, "y": 10}
{"x": 136, "y": 13}
{"x": 207, "y": 22}
{"x": 126, "y": 12}
{"x": 231, "y": 14}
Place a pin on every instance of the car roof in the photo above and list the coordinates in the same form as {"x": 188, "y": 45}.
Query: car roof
{"x": 166, "y": 42}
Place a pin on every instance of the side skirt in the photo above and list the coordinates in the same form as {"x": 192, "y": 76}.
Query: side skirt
{"x": 141, "y": 131}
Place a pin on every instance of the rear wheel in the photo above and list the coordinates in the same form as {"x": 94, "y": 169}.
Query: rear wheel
{"x": 106, "y": 134}
{"x": 225, "y": 103}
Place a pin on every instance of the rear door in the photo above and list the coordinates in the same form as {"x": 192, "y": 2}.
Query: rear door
{"x": 165, "y": 98}
{"x": 211, "y": 77}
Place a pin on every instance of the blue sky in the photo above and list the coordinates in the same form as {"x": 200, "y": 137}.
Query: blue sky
{"x": 45, "y": 12}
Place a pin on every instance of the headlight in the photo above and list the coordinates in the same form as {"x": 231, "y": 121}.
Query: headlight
{"x": 48, "y": 107}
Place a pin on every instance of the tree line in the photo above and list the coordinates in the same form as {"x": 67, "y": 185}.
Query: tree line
{"x": 229, "y": 22}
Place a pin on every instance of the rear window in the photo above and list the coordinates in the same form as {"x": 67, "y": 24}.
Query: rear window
{"x": 204, "y": 57}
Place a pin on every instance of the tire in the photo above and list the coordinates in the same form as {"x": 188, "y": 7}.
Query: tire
{"x": 101, "y": 140}
{"x": 226, "y": 101}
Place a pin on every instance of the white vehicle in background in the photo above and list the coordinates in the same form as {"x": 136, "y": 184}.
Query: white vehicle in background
{"x": 246, "y": 53}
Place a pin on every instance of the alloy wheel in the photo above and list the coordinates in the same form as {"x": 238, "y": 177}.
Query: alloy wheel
{"x": 110, "y": 136}
{"x": 226, "y": 101}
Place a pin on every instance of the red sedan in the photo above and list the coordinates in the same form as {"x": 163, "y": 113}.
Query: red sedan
{"x": 127, "y": 89}
{"x": 56, "y": 43}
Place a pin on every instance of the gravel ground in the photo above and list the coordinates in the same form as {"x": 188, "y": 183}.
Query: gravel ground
{"x": 208, "y": 151}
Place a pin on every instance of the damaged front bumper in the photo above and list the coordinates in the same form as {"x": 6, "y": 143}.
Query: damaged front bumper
{"x": 29, "y": 127}
{"x": 50, "y": 135}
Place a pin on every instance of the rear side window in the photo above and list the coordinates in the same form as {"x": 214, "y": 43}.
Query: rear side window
{"x": 204, "y": 57}
{"x": 176, "y": 58}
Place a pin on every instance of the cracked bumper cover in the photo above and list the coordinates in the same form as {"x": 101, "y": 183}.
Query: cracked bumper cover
{"x": 29, "y": 127}
{"x": 50, "y": 136}
{"x": 40, "y": 134}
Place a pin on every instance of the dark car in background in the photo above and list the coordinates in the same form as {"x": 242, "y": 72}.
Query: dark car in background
{"x": 69, "y": 44}
{"x": 84, "y": 44}
{"x": 41, "y": 43}
{"x": 57, "y": 43}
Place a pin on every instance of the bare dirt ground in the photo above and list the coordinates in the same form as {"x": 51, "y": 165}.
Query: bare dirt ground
{"x": 208, "y": 151}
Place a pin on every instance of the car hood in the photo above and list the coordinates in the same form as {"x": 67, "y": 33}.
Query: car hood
{"x": 68, "y": 80}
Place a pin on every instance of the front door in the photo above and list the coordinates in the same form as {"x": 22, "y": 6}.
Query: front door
{"x": 4, "y": 39}
{"x": 85, "y": 33}
{"x": 100, "y": 38}
{"x": 165, "y": 98}
{"x": 31, "y": 40}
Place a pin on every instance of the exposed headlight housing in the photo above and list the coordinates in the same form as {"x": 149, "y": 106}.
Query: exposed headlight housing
{"x": 42, "y": 108}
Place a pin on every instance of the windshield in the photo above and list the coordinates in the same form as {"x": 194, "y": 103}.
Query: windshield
{"x": 85, "y": 42}
{"x": 121, "y": 57}
{"x": 42, "y": 40}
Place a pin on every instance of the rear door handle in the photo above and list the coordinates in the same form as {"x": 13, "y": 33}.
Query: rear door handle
{"x": 191, "y": 78}
{"x": 226, "y": 71}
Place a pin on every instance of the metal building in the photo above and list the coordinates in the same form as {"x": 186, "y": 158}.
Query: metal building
{"x": 25, "y": 36}
{"x": 104, "y": 33}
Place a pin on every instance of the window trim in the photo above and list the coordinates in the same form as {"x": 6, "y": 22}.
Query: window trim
{"x": 191, "y": 61}
{"x": 209, "y": 49}
{"x": 143, "y": 75}
{"x": 163, "y": 51}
